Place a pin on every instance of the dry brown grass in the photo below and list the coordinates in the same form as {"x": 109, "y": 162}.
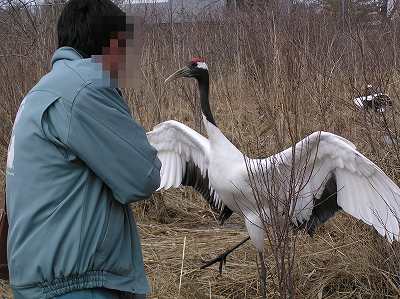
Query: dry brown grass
{"x": 265, "y": 70}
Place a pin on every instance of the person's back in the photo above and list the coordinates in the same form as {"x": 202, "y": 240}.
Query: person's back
{"x": 76, "y": 159}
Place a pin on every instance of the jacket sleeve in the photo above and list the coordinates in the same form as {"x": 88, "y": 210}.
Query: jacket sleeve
{"x": 103, "y": 134}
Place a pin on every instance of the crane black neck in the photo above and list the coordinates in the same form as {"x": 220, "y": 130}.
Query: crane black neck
{"x": 204, "y": 88}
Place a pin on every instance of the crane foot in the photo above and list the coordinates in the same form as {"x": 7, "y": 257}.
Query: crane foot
{"x": 222, "y": 257}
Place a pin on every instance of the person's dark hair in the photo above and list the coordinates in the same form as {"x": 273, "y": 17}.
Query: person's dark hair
{"x": 88, "y": 25}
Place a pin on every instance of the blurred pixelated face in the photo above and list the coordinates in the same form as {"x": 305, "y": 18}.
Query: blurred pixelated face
{"x": 121, "y": 56}
{"x": 114, "y": 55}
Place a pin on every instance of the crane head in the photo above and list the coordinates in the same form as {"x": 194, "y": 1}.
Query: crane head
{"x": 196, "y": 68}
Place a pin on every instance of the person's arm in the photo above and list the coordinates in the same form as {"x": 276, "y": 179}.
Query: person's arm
{"x": 103, "y": 134}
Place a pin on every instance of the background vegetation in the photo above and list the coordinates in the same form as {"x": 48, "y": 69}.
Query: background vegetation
{"x": 269, "y": 69}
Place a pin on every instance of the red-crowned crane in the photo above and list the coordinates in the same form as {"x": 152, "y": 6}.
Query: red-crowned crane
{"x": 373, "y": 100}
{"x": 340, "y": 177}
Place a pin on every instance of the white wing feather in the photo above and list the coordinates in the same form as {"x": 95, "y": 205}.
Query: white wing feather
{"x": 364, "y": 190}
{"x": 176, "y": 144}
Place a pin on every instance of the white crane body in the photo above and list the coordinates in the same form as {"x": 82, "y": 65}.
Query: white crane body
{"x": 320, "y": 175}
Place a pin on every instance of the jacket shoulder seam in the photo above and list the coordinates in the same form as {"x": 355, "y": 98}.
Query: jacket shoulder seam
{"x": 72, "y": 107}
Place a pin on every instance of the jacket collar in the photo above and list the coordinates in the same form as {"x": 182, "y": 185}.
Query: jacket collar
{"x": 67, "y": 53}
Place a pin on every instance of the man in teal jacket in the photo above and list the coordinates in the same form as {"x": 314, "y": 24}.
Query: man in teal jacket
{"x": 76, "y": 160}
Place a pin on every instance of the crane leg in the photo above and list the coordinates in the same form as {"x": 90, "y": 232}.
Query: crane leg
{"x": 263, "y": 276}
{"x": 222, "y": 257}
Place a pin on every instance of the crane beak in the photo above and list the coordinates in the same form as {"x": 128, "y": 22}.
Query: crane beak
{"x": 183, "y": 72}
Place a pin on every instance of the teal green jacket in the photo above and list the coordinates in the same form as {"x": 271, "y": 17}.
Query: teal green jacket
{"x": 76, "y": 160}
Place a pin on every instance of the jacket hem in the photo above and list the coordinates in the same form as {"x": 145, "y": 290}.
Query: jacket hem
{"x": 88, "y": 280}
{"x": 63, "y": 285}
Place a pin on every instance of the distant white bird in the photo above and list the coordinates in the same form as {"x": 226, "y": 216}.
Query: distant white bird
{"x": 339, "y": 177}
{"x": 377, "y": 101}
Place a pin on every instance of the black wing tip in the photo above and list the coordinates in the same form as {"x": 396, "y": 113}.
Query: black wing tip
{"x": 324, "y": 208}
{"x": 224, "y": 215}
{"x": 200, "y": 183}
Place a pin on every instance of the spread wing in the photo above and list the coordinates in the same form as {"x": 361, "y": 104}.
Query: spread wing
{"x": 337, "y": 176}
{"x": 184, "y": 155}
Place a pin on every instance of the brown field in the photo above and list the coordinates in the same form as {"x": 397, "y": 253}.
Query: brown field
{"x": 271, "y": 75}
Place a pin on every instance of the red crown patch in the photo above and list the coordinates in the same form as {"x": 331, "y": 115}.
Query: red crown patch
{"x": 197, "y": 59}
